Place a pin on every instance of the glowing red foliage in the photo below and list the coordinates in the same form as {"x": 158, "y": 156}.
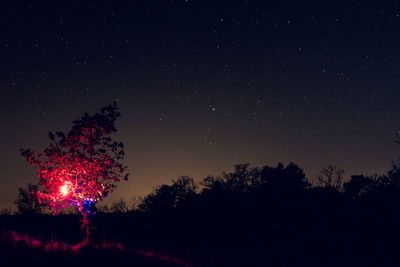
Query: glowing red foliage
{"x": 82, "y": 167}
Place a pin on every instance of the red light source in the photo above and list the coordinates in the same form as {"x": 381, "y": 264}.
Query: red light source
{"x": 65, "y": 189}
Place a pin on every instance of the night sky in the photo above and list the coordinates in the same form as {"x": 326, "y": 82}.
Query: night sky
{"x": 203, "y": 85}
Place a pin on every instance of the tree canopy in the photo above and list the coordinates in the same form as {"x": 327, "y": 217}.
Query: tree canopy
{"x": 81, "y": 167}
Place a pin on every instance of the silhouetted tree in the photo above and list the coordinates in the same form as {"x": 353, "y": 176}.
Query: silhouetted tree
{"x": 394, "y": 172}
{"x": 27, "y": 201}
{"x": 331, "y": 177}
{"x": 360, "y": 185}
{"x": 7, "y": 211}
{"x": 167, "y": 197}
{"x": 105, "y": 208}
{"x": 212, "y": 183}
{"x": 290, "y": 177}
{"x": 120, "y": 206}
{"x": 161, "y": 199}
{"x": 183, "y": 188}
{"x": 243, "y": 179}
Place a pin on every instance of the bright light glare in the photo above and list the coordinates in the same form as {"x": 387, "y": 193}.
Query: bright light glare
{"x": 65, "y": 189}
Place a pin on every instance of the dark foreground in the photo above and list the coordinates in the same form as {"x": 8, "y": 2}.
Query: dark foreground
{"x": 252, "y": 217}
{"x": 89, "y": 256}
{"x": 133, "y": 241}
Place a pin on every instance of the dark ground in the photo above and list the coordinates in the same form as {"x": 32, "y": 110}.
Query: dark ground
{"x": 287, "y": 242}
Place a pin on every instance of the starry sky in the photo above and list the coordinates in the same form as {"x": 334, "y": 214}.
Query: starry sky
{"x": 203, "y": 85}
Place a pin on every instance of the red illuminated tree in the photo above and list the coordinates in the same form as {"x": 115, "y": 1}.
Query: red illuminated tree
{"x": 82, "y": 167}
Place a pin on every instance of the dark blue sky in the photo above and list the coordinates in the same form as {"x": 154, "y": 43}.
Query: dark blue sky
{"x": 203, "y": 85}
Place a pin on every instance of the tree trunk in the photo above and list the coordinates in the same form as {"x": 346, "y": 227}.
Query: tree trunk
{"x": 85, "y": 224}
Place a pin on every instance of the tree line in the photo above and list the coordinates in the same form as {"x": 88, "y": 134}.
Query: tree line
{"x": 279, "y": 181}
